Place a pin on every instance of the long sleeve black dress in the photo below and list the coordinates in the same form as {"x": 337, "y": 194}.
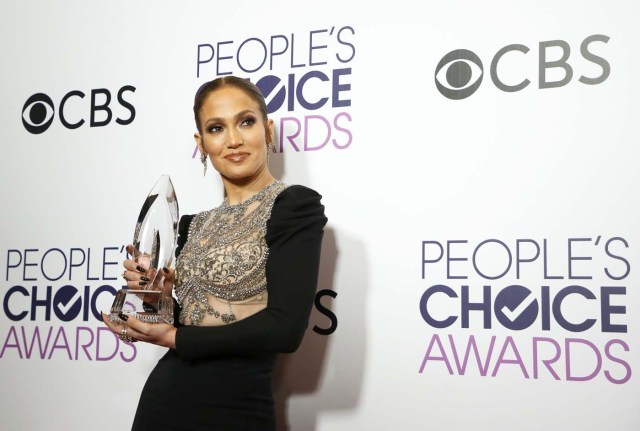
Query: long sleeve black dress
{"x": 219, "y": 377}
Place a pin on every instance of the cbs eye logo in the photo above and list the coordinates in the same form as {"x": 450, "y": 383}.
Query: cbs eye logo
{"x": 459, "y": 74}
{"x": 37, "y": 113}
{"x": 39, "y": 110}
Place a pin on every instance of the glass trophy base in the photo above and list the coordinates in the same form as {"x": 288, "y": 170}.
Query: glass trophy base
{"x": 148, "y": 306}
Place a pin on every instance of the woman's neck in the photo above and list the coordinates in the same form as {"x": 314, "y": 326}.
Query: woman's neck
{"x": 238, "y": 191}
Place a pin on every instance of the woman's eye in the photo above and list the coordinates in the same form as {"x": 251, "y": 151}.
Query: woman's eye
{"x": 248, "y": 121}
{"x": 214, "y": 129}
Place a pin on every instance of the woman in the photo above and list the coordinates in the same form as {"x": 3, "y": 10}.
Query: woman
{"x": 245, "y": 278}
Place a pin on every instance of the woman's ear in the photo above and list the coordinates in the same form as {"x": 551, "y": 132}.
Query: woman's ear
{"x": 198, "y": 139}
{"x": 271, "y": 134}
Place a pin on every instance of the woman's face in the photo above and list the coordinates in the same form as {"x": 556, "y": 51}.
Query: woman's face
{"x": 234, "y": 135}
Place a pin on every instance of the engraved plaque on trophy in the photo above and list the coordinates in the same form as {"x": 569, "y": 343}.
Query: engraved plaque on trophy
{"x": 154, "y": 242}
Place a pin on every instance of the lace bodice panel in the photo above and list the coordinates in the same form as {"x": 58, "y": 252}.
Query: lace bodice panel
{"x": 220, "y": 273}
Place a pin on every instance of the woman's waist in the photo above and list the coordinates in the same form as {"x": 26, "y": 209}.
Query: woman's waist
{"x": 230, "y": 369}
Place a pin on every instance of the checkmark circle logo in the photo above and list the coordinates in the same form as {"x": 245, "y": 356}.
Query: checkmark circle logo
{"x": 274, "y": 92}
{"x": 515, "y": 307}
{"x": 67, "y": 303}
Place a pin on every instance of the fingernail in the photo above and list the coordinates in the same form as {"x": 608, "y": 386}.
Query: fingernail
{"x": 165, "y": 269}
{"x": 123, "y": 316}
{"x": 142, "y": 283}
{"x": 140, "y": 269}
{"x": 143, "y": 278}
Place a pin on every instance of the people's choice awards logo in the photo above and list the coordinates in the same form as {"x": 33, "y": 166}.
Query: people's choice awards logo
{"x": 52, "y": 301}
{"x": 459, "y": 73}
{"x": 542, "y": 309}
{"x": 75, "y": 107}
{"x": 306, "y": 79}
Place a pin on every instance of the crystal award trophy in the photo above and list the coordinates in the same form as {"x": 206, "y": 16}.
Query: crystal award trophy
{"x": 154, "y": 242}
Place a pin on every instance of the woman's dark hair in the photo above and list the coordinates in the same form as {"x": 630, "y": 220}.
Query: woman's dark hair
{"x": 248, "y": 87}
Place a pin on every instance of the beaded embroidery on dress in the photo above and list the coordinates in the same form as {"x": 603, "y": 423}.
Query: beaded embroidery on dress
{"x": 224, "y": 258}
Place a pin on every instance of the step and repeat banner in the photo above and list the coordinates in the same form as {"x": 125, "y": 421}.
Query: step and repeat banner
{"x": 478, "y": 163}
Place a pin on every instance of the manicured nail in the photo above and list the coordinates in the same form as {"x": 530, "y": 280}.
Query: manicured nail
{"x": 143, "y": 278}
{"x": 123, "y": 316}
{"x": 140, "y": 269}
{"x": 142, "y": 283}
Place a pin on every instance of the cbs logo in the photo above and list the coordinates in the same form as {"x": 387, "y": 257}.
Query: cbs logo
{"x": 459, "y": 73}
{"x": 38, "y": 111}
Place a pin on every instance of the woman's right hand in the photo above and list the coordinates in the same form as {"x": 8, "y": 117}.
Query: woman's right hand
{"x": 138, "y": 275}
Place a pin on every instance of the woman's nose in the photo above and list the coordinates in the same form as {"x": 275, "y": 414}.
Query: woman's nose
{"x": 234, "y": 138}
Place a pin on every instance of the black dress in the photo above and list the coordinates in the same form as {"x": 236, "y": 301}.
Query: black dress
{"x": 219, "y": 377}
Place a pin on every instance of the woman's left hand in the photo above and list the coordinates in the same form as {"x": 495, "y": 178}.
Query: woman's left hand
{"x": 161, "y": 334}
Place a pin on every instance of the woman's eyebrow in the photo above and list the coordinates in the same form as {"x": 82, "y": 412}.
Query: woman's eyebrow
{"x": 238, "y": 115}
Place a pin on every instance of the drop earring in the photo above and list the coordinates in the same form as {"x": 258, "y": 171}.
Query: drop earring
{"x": 271, "y": 148}
{"x": 203, "y": 159}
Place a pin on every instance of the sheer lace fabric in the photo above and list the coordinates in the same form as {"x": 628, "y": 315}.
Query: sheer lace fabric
{"x": 220, "y": 274}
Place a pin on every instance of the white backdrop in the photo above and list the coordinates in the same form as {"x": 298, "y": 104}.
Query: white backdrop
{"x": 530, "y": 188}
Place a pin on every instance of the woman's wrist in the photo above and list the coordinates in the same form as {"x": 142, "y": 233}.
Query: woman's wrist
{"x": 171, "y": 338}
